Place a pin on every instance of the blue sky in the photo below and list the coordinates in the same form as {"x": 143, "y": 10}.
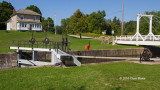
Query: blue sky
{"x": 65, "y": 8}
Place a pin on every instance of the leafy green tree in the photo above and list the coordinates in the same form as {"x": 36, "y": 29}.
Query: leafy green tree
{"x": 80, "y": 23}
{"x": 96, "y": 22}
{"x": 130, "y": 28}
{"x": 64, "y": 25}
{"x": 34, "y": 8}
{"x": 47, "y": 24}
{"x": 155, "y": 22}
{"x": 50, "y": 24}
{"x": 144, "y": 26}
{"x": 115, "y": 25}
{"x": 59, "y": 29}
{"x": 77, "y": 23}
{"x": 6, "y": 10}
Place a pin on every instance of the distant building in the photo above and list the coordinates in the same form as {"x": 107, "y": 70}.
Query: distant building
{"x": 104, "y": 32}
{"x": 20, "y": 19}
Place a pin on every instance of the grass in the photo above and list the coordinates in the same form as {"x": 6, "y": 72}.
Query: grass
{"x": 76, "y": 44}
{"x": 97, "y": 77}
{"x": 79, "y": 44}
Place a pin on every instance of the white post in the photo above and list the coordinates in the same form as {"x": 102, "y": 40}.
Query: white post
{"x": 34, "y": 55}
{"x": 138, "y": 19}
{"x": 150, "y": 30}
{"x": 18, "y": 57}
{"x": 54, "y": 59}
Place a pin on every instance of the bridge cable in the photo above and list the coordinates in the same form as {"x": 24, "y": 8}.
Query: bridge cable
{"x": 152, "y": 25}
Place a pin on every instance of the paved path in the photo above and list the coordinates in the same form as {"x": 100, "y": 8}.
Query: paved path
{"x": 83, "y": 37}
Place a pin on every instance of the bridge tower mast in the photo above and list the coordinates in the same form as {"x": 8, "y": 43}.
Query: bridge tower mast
{"x": 137, "y": 35}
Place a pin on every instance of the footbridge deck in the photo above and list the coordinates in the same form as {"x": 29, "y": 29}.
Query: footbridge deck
{"x": 145, "y": 40}
{"x": 138, "y": 39}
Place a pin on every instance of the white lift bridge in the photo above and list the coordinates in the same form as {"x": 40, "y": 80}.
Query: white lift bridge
{"x": 138, "y": 39}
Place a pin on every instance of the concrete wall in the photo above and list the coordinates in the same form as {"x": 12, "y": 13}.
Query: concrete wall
{"x": 110, "y": 52}
{"x": 8, "y": 60}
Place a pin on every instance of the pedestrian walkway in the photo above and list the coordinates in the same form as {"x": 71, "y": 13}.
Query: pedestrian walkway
{"x": 83, "y": 37}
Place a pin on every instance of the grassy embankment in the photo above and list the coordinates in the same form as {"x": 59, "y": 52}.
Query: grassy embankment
{"x": 114, "y": 76}
{"x": 76, "y": 44}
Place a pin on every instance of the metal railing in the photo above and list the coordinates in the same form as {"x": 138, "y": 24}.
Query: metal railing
{"x": 132, "y": 38}
{"x": 64, "y": 45}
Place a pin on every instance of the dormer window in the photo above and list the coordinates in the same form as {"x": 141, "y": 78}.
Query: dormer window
{"x": 35, "y": 18}
{"x": 22, "y": 17}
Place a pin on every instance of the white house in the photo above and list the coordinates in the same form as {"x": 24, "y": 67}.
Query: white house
{"x": 23, "y": 17}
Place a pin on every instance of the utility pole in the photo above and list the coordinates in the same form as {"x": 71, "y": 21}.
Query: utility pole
{"x": 48, "y": 24}
{"x": 55, "y": 22}
{"x": 122, "y": 17}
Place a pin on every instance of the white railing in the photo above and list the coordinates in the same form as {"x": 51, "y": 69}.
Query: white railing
{"x": 132, "y": 38}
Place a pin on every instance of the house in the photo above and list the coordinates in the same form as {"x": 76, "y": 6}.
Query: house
{"x": 22, "y": 18}
{"x": 104, "y": 32}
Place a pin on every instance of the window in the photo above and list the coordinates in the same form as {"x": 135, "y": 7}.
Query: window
{"x": 22, "y": 17}
{"x": 37, "y": 25}
{"x": 22, "y": 24}
{"x": 32, "y": 25}
{"x": 35, "y": 18}
{"x": 25, "y": 25}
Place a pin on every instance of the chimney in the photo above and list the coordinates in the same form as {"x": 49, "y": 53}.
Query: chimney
{"x": 14, "y": 11}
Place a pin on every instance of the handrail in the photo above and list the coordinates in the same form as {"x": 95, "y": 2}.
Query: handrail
{"x": 41, "y": 44}
{"x": 145, "y": 37}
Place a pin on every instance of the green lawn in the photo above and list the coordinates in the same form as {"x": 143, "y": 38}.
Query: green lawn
{"x": 94, "y": 77}
{"x": 76, "y": 44}
{"x": 79, "y": 44}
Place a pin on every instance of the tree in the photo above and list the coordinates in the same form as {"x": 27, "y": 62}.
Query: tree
{"x": 155, "y": 22}
{"x": 48, "y": 24}
{"x": 77, "y": 23}
{"x": 59, "y": 29}
{"x": 130, "y": 28}
{"x": 80, "y": 23}
{"x": 64, "y": 25}
{"x": 34, "y": 8}
{"x": 97, "y": 22}
{"x": 6, "y": 10}
{"x": 115, "y": 25}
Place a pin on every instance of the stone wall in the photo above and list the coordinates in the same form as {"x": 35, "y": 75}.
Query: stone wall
{"x": 110, "y": 52}
{"x": 8, "y": 60}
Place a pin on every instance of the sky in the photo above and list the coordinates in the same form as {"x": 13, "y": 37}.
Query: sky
{"x": 66, "y": 8}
